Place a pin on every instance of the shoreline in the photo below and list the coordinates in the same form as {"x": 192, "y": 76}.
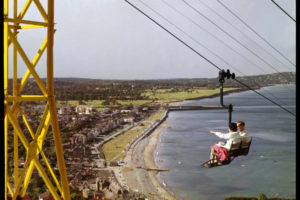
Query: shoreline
{"x": 149, "y": 145}
{"x": 150, "y": 162}
{"x": 212, "y": 96}
{"x": 218, "y": 94}
{"x": 176, "y": 103}
{"x": 140, "y": 169}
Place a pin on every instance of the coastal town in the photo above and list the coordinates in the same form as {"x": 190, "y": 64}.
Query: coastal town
{"x": 108, "y": 146}
{"x": 84, "y": 130}
{"x": 149, "y": 100}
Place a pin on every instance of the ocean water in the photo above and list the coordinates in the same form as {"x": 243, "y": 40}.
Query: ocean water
{"x": 270, "y": 166}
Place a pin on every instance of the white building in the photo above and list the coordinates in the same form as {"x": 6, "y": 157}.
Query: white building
{"x": 83, "y": 109}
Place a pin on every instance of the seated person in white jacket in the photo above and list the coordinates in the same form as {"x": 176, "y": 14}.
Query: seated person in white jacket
{"x": 232, "y": 137}
{"x": 242, "y": 131}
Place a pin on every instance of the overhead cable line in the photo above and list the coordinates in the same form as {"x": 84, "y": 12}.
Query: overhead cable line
{"x": 198, "y": 41}
{"x": 205, "y": 30}
{"x": 188, "y": 35}
{"x": 283, "y": 10}
{"x": 240, "y": 82}
{"x": 220, "y": 40}
{"x": 261, "y": 37}
{"x": 255, "y": 54}
{"x": 209, "y": 61}
{"x": 236, "y": 28}
{"x": 180, "y": 40}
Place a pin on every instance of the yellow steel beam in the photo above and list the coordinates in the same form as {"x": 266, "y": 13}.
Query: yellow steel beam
{"x": 39, "y": 129}
{"x": 15, "y": 124}
{"x": 41, "y": 9}
{"x": 31, "y": 167}
{"x": 15, "y": 55}
{"x": 42, "y": 172}
{"x": 40, "y": 136}
{"x": 13, "y": 26}
{"x": 34, "y": 62}
{"x": 6, "y": 183}
{"x": 5, "y": 49}
{"x": 42, "y": 129}
{"x": 30, "y": 26}
{"x": 45, "y": 121}
{"x": 9, "y": 41}
{"x": 21, "y": 21}
{"x": 31, "y": 155}
{"x": 26, "y": 144}
{"x": 49, "y": 116}
{"x": 24, "y": 27}
{"x": 28, "y": 63}
{"x": 15, "y": 93}
{"x": 24, "y": 9}
{"x": 22, "y": 13}
{"x": 50, "y": 87}
{"x": 16, "y": 157}
{"x": 27, "y": 74}
{"x": 26, "y": 98}
{"x": 10, "y": 189}
{"x": 51, "y": 171}
{"x": 5, "y": 84}
{"x": 19, "y": 182}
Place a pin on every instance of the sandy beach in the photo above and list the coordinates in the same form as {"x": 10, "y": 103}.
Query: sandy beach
{"x": 149, "y": 161}
{"x": 139, "y": 172}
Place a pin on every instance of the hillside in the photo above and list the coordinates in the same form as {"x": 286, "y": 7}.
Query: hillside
{"x": 98, "y": 89}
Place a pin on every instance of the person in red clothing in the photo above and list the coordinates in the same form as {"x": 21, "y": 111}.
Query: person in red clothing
{"x": 221, "y": 149}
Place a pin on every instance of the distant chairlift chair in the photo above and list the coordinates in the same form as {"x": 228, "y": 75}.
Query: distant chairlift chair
{"x": 238, "y": 149}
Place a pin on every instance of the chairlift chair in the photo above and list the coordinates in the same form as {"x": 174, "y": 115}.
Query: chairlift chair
{"x": 238, "y": 149}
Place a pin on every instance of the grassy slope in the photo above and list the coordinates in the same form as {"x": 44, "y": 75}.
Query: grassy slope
{"x": 165, "y": 95}
{"x": 161, "y": 95}
{"x": 118, "y": 147}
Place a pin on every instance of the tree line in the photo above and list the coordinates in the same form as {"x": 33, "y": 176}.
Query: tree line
{"x": 98, "y": 89}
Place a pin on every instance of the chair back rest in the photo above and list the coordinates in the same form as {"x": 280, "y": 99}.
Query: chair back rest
{"x": 245, "y": 144}
{"x": 235, "y": 146}
{"x": 241, "y": 148}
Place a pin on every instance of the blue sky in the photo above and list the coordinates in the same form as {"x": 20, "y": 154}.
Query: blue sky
{"x": 108, "y": 39}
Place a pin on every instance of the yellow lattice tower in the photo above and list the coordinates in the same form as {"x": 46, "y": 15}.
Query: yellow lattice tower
{"x": 14, "y": 112}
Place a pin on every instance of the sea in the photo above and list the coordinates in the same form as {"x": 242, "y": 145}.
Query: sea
{"x": 269, "y": 167}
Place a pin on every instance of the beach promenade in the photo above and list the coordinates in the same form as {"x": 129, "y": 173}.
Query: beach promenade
{"x": 139, "y": 170}
{"x": 136, "y": 171}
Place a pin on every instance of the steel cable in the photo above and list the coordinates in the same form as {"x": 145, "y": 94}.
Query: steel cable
{"x": 241, "y": 20}
{"x": 283, "y": 10}
{"x": 255, "y": 54}
{"x": 209, "y": 61}
{"x": 195, "y": 23}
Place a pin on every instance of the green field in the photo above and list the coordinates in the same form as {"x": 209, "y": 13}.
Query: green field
{"x": 159, "y": 95}
{"x": 99, "y": 103}
{"x": 96, "y": 103}
{"x": 117, "y": 148}
{"x": 167, "y": 95}
{"x": 133, "y": 102}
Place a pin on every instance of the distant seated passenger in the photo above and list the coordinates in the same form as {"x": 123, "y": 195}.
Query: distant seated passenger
{"x": 221, "y": 148}
{"x": 242, "y": 131}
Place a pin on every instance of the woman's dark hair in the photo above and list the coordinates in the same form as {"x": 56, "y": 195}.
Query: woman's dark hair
{"x": 233, "y": 126}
